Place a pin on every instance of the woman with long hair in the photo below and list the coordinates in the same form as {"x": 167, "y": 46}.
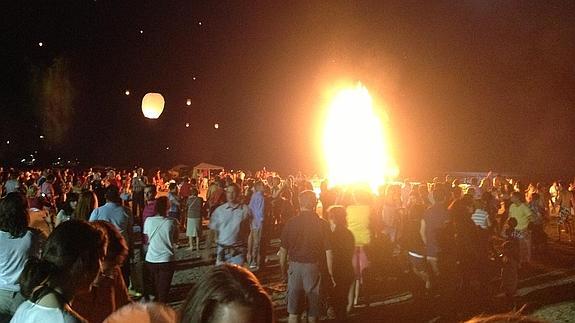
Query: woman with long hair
{"x": 87, "y": 202}
{"x": 228, "y": 293}
{"x": 70, "y": 263}
{"x": 109, "y": 291}
{"x": 343, "y": 248}
{"x": 17, "y": 244}
{"x": 161, "y": 235}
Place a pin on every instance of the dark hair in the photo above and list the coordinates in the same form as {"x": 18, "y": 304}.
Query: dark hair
{"x": 117, "y": 248}
{"x": 14, "y": 214}
{"x": 161, "y": 205}
{"x": 259, "y": 183}
{"x": 172, "y": 186}
{"x": 439, "y": 193}
{"x": 337, "y": 214}
{"x": 226, "y": 284}
{"x": 194, "y": 191}
{"x": 459, "y": 210}
{"x": 153, "y": 187}
{"x": 72, "y": 252}
{"x": 518, "y": 196}
{"x": 70, "y": 197}
{"x": 113, "y": 194}
{"x": 235, "y": 187}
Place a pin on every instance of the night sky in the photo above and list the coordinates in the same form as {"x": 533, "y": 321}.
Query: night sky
{"x": 467, "y": 85}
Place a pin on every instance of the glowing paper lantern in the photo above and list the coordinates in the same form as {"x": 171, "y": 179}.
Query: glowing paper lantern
{"x": 153, "y": 105}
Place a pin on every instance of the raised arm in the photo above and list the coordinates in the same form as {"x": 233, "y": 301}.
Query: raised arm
{"x": 422, "y": 232}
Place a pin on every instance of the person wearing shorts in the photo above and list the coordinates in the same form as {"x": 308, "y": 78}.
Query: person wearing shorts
{"x": 194, "y": 219}
{"x": 359, "y": 223}
{"x": 231, "y": 221}
{"x": 306, "y": 238}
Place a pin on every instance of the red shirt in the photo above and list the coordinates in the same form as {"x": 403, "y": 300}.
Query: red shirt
{"x": 185, "y": 190}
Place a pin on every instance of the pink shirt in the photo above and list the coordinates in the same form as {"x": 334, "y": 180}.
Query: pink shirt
{"x": 149, "y": 210}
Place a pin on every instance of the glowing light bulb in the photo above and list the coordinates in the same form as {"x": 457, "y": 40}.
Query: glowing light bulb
{"x": 216, "y": 125}
{"x": 189, "y": 102}
{"x": 127, "y": 92}
{"x": 187, "y": 124}
{"x": 40, "y": 44}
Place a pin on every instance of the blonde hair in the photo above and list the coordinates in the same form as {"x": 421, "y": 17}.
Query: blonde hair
{"x": 87, "y": 202}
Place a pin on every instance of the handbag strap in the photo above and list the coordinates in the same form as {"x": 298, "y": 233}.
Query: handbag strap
{"x": 156, "y": 230}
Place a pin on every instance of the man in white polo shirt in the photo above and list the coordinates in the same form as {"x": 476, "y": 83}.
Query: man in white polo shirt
{"x": 232, "y": 223}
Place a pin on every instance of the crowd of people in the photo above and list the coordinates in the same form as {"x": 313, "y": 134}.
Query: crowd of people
{"x": 68, "y": 240}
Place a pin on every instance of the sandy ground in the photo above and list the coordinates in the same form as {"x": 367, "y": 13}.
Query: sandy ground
{"x": 547, "y": 289}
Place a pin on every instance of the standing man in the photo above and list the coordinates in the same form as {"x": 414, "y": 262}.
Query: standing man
{"x": 257, "y": 210}
{"x": 305, "y": 238}
{"x": 194, "y": 218}
{"x": 231, "y": 221}
{"x": 139, "y": 182}
{"x": 114, "y": 213}
{"x": 12, "y": 184}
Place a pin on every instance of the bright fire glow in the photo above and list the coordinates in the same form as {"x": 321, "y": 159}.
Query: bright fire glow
{"x": 355, "y": 146}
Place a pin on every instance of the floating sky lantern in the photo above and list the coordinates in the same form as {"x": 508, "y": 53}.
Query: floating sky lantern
{"x": 153, "y": 105}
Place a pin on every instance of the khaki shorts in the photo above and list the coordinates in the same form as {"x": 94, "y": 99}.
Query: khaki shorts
{"x": 304, "y": 281}
{"x": 194, "y": 227}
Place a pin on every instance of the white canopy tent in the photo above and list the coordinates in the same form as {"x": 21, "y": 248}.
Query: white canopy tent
{"x": 205, "y": 167}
